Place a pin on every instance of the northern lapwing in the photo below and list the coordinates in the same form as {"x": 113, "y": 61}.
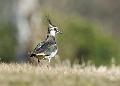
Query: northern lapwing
{"x": 48, "y": 48}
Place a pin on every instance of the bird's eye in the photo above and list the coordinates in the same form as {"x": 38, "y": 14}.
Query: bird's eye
{"x": 55, "y": 29}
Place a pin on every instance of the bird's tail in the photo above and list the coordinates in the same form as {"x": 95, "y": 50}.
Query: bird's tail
{"x": 32, "y": 55}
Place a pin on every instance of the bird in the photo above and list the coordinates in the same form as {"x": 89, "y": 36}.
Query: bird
{"x": 48, "y": 48}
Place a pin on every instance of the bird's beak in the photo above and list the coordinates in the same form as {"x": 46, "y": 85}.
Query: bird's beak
{"x": 60, "y": 32}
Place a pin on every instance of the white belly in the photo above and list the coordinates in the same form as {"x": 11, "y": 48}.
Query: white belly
{"x": 52, "y": 55}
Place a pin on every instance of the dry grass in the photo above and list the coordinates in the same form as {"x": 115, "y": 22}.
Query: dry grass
{"x": 59, "y": 75}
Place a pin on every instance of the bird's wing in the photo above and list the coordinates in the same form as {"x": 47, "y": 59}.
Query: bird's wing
{"x": 38, "y": 48}
{"x": 45, "y": 49}
{"x": 50, "y": 49}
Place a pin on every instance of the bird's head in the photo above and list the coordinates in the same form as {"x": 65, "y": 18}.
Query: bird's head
{"x": 52, "y": 29}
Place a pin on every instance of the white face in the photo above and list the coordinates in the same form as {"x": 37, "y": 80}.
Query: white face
{"x": 53, "y": 30}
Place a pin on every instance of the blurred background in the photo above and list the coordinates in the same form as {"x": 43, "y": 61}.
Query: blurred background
{"x": 90, "y": 29}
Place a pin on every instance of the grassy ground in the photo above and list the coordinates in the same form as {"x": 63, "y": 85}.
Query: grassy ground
{"x": 59, "y": 75}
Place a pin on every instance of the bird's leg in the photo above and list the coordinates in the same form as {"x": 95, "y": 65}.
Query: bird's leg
{"x": 39, "y": 63}
{"x": 49, "y": 59}
{"x": 49, "y": 62}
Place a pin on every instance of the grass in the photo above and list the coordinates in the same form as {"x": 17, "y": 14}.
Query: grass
{"x": 14, "y": 74}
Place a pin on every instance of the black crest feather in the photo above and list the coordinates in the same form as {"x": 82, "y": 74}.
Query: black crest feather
{"x": 48, "y": 19}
